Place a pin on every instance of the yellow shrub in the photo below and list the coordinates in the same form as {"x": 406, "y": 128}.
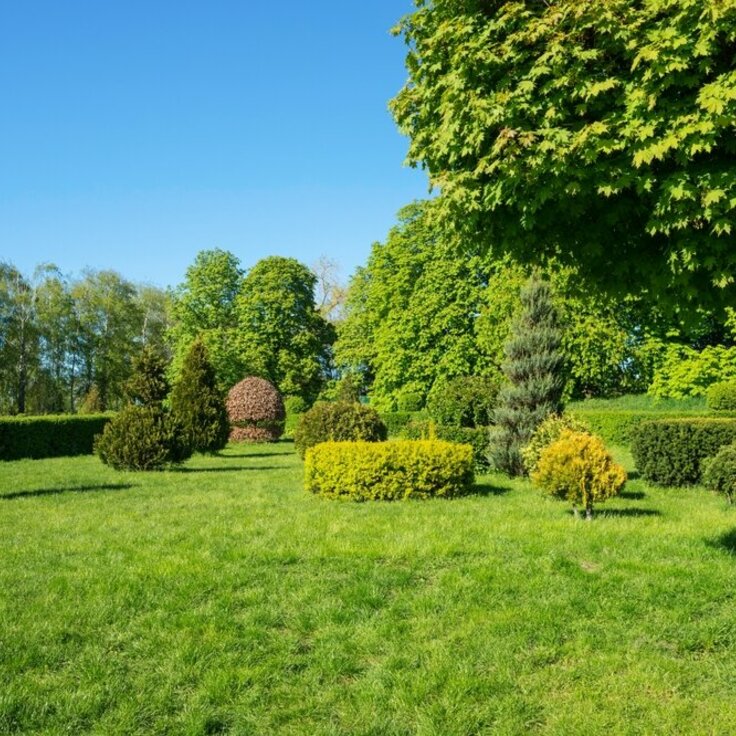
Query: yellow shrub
{"x": 578, "y": 468}
{"x": 366, "y": 471}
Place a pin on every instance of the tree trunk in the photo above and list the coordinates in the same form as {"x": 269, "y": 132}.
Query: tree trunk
{"x": 589, "y": 512}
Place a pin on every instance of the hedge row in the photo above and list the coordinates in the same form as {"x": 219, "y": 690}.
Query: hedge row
{"x": 49, "y": 436}
{"x": 671, "y": 451}
{"x": 476, "y": 437}
{"x": 364, "y": 471}
{"x": 618, "y": 426}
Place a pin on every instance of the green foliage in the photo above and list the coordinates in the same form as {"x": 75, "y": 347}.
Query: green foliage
{"x": 197, "y": 404}
{"x": 410, "y": 401}
{"x": 294, "y": 405}
{"x": 49, "y": 436}
{"x": 596, "y": 132}
{"x": 397, "y": 421}
{"x": 535, "y": 371}
{"x": 141, "y": 438}
{"x": 91, "y": 403}
{"x": 685, "y": 371}
{"x": 719, "y": 472}
{"x": 671, "y": 451}
{"x": 147, "y": 386}
{"x": 256, "y": 411}
{"x": 722, "y": 396}
{"x": 577, "y": 467}
{"x": 386, "y": 471}
{"x": 281, "y": 334}
{"x": 464, "y": 402}
{"x": 338, "y": 421}
{"x": 476, "y": 437}
{"x": 549, "y": 431}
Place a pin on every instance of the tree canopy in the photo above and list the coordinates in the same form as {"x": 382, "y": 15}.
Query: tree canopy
{"x": 599, "y": 132}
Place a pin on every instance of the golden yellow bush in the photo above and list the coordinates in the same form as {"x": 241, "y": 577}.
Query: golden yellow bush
{"x": 579, "y": 468}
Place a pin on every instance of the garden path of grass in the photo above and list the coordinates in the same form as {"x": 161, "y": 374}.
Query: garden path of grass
{"x": 223, "y": 599}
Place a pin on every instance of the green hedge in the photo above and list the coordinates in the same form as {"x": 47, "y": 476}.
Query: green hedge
{"x": 476, "y": 437}
{"x": 364, "y": 471}
{"x": 49, "y": 436}
{"x": 397, "y": 421}
{"x": 671, "y": 451}
{"x": 617, "y": 427}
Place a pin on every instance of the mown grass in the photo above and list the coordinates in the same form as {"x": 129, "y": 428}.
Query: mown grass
{"x": 223, "y": 599}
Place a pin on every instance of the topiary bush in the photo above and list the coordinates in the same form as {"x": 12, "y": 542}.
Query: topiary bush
{"x": 141, "y": 438}
{"x": 402, "y": 469}
{"x": 338, "y": 421}
{"x": 464, "y": 402}
{"x": 197, "y": 405}
{"x": 719, "y": 472}
{"x": 578, "y": 468}
{"x": 546, "y": 433}
{"x": 671, "y": 451}
{"x": 256, "y": 411}
{"x": 722, "y": 396}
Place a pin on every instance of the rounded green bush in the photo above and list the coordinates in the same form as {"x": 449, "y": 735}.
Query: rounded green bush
{"x": 141, "y": 438}
{"x": 719, "y": 473}
{"x": 722, "y": 396}
{"x": 464, "y": 402}
{"x": 338, "y": 421}
{"x": 546, "y": 433}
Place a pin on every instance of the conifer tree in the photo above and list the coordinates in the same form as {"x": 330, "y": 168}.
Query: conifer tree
{"x": 534, "y": 369}
{"x": 197, "y": 405}
{"x": 143, "y": 435}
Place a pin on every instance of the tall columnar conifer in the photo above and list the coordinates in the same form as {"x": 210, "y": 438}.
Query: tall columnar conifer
{"x": 534, "y": 368}
{"x": 197, "y": 404}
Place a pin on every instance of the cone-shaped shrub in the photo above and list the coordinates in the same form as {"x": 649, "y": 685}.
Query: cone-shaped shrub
{"x": 197, "y": 405}
{"x": 143, "y": 436}
{"x": 534, "y": 368}
{"x": 256, "y": 411}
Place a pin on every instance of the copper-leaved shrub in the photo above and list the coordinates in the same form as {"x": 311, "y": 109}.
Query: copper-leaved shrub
{"x": 256, "y": 411}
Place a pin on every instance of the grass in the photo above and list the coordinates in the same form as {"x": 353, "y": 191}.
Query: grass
{"x": 223, "y": 599}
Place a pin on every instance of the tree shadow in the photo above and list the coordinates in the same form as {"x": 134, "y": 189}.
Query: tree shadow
{"x": 626, "y": 513}
{"x": 72, "y": 489}
{"x": 632, "y": 495}
{"x": 229, "y": 469}
{"x": 488, "y": 489}
{"x": 726, "y": 541}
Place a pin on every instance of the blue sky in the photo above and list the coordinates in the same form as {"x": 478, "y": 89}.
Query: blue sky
{"x": 134, "y": 134}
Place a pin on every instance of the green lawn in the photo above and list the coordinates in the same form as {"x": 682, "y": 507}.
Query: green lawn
{"x": 223, "y": 599}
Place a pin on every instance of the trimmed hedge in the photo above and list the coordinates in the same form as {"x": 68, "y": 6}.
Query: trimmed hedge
{"x": 618, "y": 427}
{"x": 476, "y": 437}
{"x": 671, "y": 451}
{"x": 397, "y": 421}
{"x": 49, "y": 436}
{"x": 367, "y": 471}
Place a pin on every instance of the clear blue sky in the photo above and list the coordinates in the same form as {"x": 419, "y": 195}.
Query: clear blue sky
{"x": 134, "y": 134}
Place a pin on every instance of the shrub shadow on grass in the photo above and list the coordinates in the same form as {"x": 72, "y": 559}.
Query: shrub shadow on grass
{"x": 226, "y": 455}
{"x": 632, "y": 495}
{"x": 487, "y": 489}
{"x": 227, "y": 469}
{"x": 72, "y": 489}
{"x": 627, "y": 513}
{"x": 725, "y": 542}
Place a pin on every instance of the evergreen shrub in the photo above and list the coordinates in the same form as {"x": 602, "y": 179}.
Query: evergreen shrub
{"x": 409, "y": 401}
{"x": 671, "y": 451}
{"x": 401, "y": 469}
{"x": 578, "y": 468}
{"x": 338, "y": 421}
{"x": 256, "y": 411}
{"x": 722, "y": 396}
{"x": 397, "y": 421}
{"x": 476, "y": 437}
{"x": 197, "y": 405}
{"x": 49, "y": 436}
{"x": 719, "y": 472}
{"x": 546, "y": 433}
{"x": 464, "y": 402}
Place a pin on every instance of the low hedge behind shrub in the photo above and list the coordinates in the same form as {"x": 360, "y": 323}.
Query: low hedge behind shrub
{"x": 397, "y": 421}
{"x": 49, "y": 436}
{"x": 476, "y": 437}
{"x": 671, "y": 451}
{"x": 338, "y": 421}
{"x": 618, "y": 426}
{"x": 366, "y": 471}
{"x": 722, "y": 396}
